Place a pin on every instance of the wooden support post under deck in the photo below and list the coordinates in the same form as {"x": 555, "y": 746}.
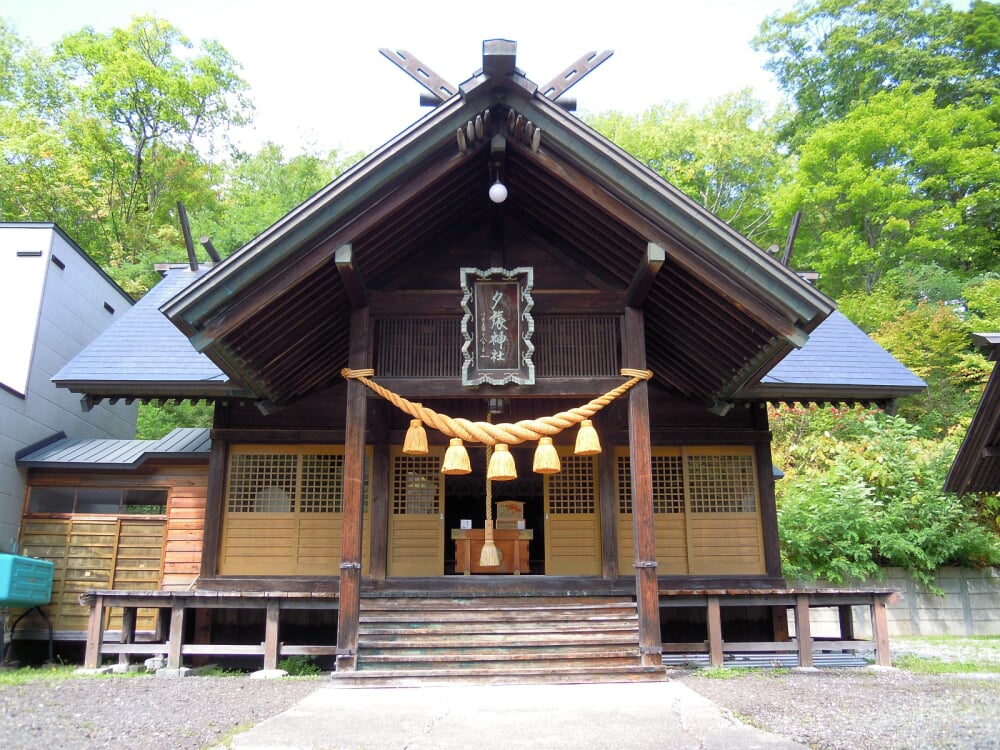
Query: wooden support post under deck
{"x": 128, "y": 632}
{"x": 176, "y": 641}
{"x": 647, "y": 589}
{"x": 880, "y": 631}
{"x": 95, "y": 633}
{"x": 354, "y": 461}
{"x": 803, "y": 631}
{"x": 271, "y": 635}
{"x": 715, "y": 652}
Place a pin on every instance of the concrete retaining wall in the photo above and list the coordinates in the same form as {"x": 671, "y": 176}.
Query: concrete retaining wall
{"x": 970, "y": 605}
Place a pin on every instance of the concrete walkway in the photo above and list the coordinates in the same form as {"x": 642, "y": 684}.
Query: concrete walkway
{"x": 620, "y": 716}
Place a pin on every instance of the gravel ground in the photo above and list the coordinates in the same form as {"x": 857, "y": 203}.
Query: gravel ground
{"x": 829, "y": 708}
{"x": 861, "y": 708}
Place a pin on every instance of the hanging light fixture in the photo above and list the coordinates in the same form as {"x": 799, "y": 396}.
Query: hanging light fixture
{"x": 456, "y": 459}
{"x": 498, "y": 191}
{"x": 587, "y": 441}
{"x": 546, "y": 457}
{"x": 415, "y": 443}
{"x": 501, "y": 468}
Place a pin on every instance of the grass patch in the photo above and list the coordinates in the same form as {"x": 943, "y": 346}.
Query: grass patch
{"x": 989, "y": 643}
{"x": 24, "y": 675}
{"x": 720, "y": 673}
{"x": 932, "y": 665}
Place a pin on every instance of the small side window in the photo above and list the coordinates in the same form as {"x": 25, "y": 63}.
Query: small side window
{"x": 51, "y": 500}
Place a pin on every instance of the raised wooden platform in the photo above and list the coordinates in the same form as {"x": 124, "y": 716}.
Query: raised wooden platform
{"x": 475, "y": 605}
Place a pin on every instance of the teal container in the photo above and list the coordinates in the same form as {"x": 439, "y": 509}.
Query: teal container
{"x": 24, "y": 581}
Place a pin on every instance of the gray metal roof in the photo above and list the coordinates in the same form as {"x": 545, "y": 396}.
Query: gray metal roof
{"x": 144, "y": 354}
{"x": 72, "y": 453}
{"x": 838, "y": 361}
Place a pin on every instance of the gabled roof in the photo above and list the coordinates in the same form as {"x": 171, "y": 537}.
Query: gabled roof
{"x": 977, "y": 464}
{"x": 275, "y": 315}
{"x": 142, "y": 354}
{"x": 71, "y": 453}
{"x": 839, "y": 362}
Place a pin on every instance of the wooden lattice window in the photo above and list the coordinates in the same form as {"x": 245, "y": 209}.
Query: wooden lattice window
{"x": 416, "y": 485}
{"x": 287, "y": 479}
{"x": 722, "y": 483}
{"x": 668, "y": 483}
{"x": 572, "y": 490}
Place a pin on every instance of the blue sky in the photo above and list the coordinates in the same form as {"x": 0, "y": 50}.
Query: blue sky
{"x": 319, "y": 82}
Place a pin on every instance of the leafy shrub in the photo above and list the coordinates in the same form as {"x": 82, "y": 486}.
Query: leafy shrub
{"x": 863, "y": 490}
{"x": 300, "y": 666}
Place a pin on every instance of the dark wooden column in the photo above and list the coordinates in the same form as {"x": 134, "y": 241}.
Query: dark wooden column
{"x": 647, "y": 590}
{"x": 218, "y": 457}
{"x": 608, "y": 502}
{"x": 379, "y": 497}
{"x": 354, "y": 463}
{"x": 765, "y": 485}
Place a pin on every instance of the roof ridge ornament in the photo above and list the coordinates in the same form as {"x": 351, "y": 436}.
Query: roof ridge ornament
{"x": 440, "y": 89}
{"x": 574, "y": 73}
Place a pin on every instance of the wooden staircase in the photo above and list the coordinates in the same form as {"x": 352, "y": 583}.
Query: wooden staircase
{"x": 497, "y": 640}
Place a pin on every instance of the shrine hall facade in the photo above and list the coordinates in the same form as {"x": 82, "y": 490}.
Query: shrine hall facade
{"x": 499, "y": 281}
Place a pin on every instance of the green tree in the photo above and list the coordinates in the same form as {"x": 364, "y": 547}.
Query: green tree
{"x": 898, "y": 180}
{"x": 255, "y": 190}
{"x": 139, "y": 104}
{"x": 724, "y": 156}
{"x": 831, "y": 55}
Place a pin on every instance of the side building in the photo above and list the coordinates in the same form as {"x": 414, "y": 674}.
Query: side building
{"x": 54, "y": 300}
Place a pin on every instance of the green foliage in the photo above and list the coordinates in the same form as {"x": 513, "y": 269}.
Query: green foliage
{"x": 258, "y": 189}
{"x": 831, "y": 55}
{"x": 723, "y": 157}
{"x": 105, "y": 135}
{"x": 897, "y": 181}
{"x": 300, "y": 666}
{"x": 933, "y": 342}
{"x": 155, "y": 421}
{"x": 862, "y": 490}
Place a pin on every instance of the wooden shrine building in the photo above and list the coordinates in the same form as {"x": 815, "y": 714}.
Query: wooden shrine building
{"x": 494, "y": 276}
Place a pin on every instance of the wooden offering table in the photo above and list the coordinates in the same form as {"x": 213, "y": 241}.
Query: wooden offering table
{"x": 512, "y": 544}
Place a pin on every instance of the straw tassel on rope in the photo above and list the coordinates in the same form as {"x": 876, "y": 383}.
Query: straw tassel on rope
{"x": 489, "y": 557}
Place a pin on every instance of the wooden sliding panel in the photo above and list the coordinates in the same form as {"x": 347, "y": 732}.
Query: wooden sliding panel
{"x": 572, "y": 524}
{"x": 724, "y": 532}
{"x": 669, "y": 518}
{"x": 706, "y": 512}
{"x": 416, "y": 516}
{"x": 283, "y": 511}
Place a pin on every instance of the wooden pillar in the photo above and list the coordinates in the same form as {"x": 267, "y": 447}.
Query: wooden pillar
{"x": 95, "y": 633}
{"x": 803, "y": 631}
{"x": 647, "y": 589}
{"x": 765, "y": 490}
{"x": 128, "y": 632}
{"x": 271, "y": 647}
{"x": 176, "y": 642}
{"x": 354, "y": 461}
{"x": 379, "y": 498}
{"x": 880, "y": 630}
{"x": 607, "y": 472}
{"x": 716, "y": 653}
{"x": 217, "y": 460}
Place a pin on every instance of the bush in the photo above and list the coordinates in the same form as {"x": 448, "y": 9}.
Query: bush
{"x": 863, "y": 490}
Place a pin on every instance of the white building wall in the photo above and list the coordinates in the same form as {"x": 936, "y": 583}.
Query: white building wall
{"x": 64, "y": 308}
